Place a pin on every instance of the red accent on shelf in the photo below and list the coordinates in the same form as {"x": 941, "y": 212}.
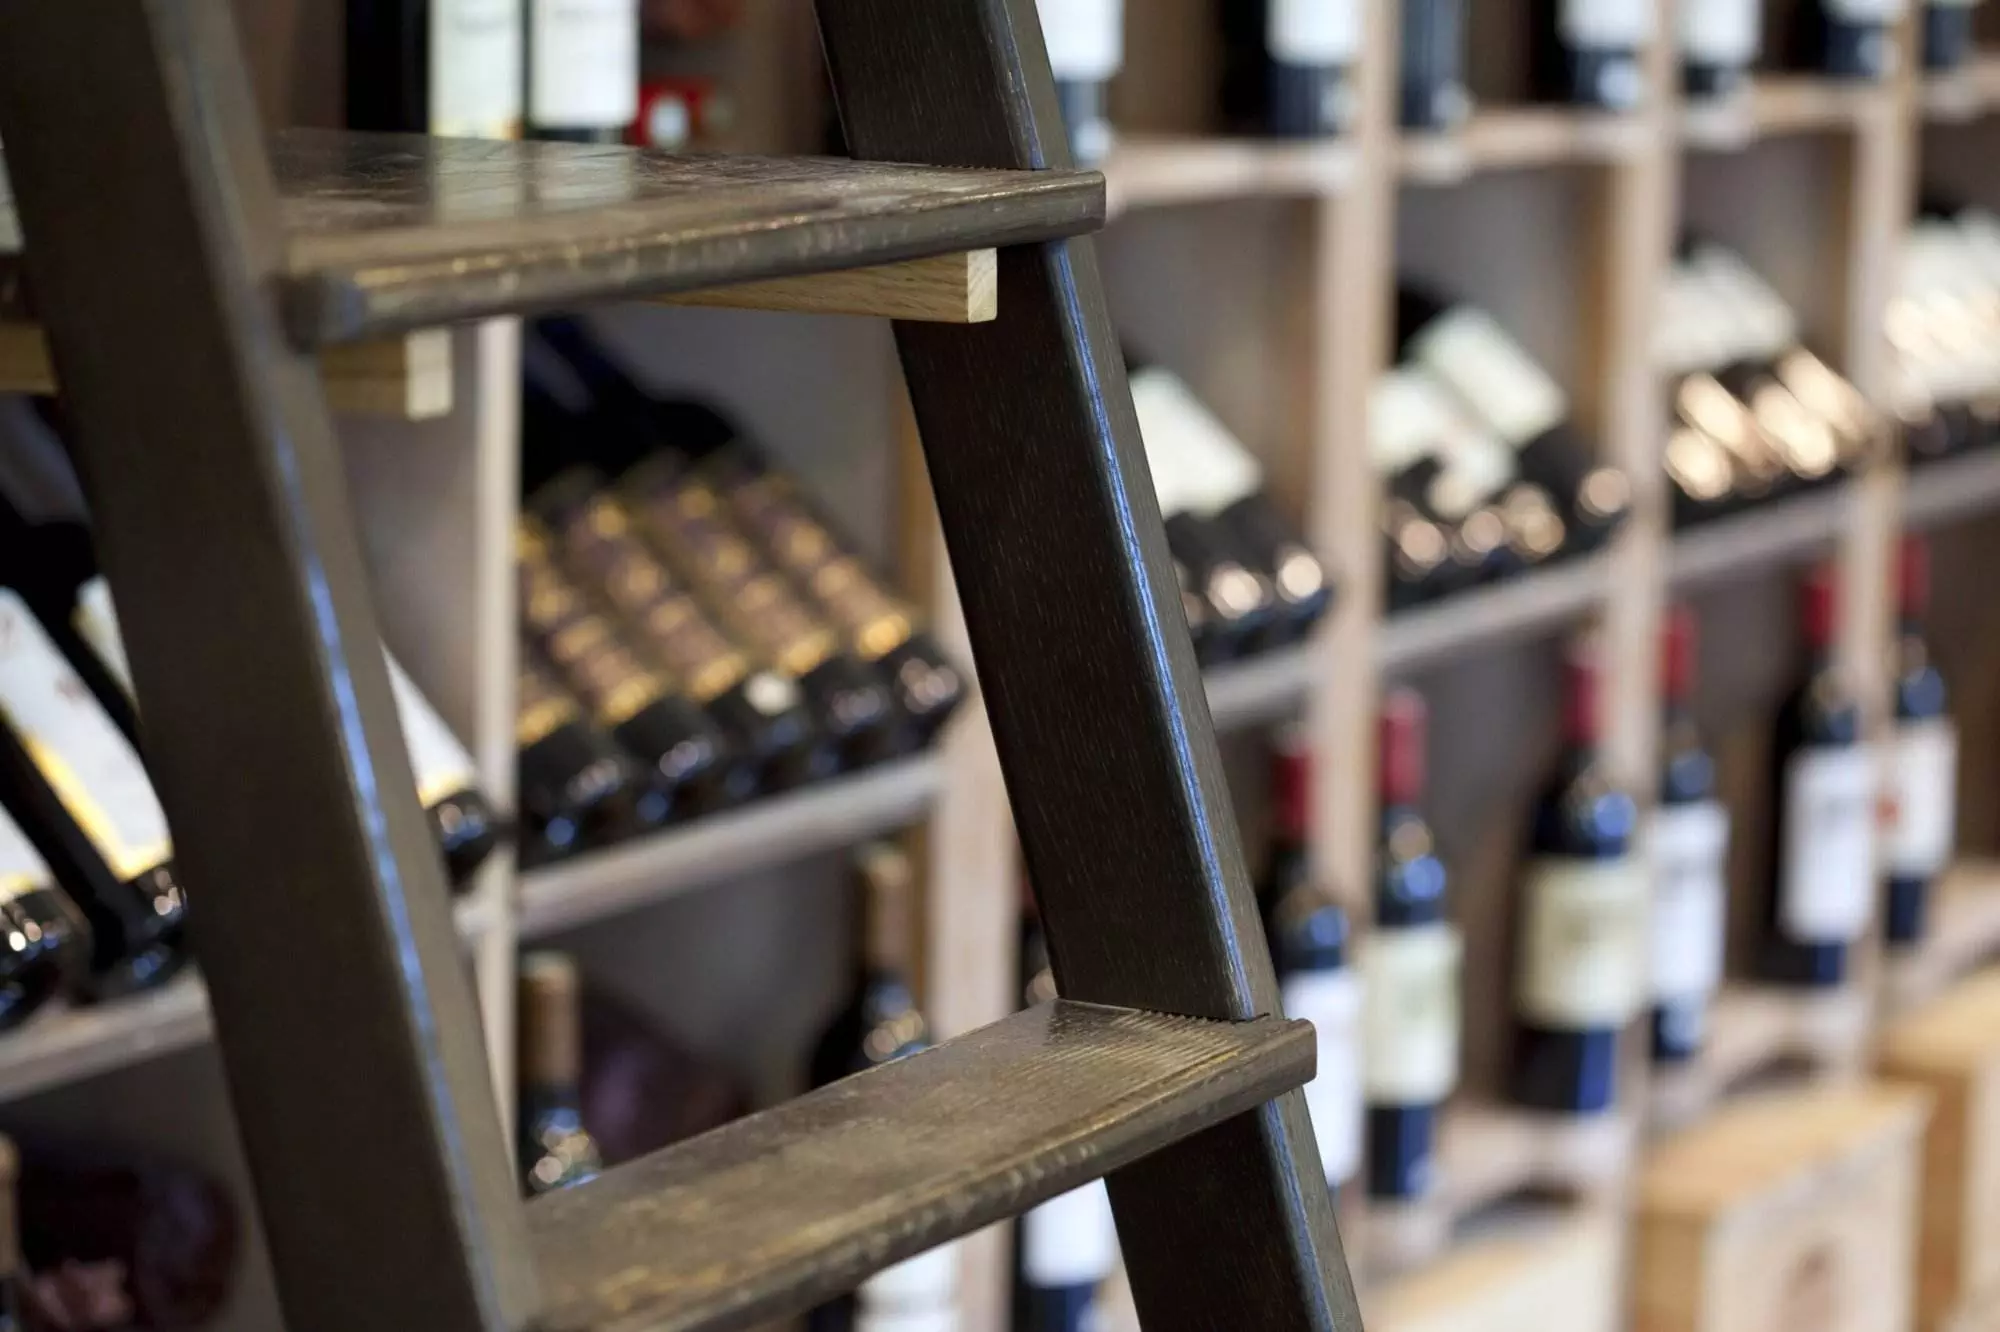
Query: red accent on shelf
{"x": 1404, "y": 727}
{"x": 1580, "y": 719}
{"x": 1913, "y": 578}
{"x": 1680, "y": 641}
{"x": 1291, "y": 784}
{"x": 1819, "y": 608}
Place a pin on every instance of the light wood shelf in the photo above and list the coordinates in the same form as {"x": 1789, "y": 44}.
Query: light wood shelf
{"x": 1951, "y": 489}
{"x": 1759, "y": 1030}
{"x": 1964, "y": 94}
{"x": 1506, "y": 612}
{"x": 1152, "y": 171}
{"x": 1260, "y": 689}
{"x": 1790, "y": 530}
{"x": 1508, "y": 138}
{"x": 1779, "y": 104}
{"x": 1963, "y": 935}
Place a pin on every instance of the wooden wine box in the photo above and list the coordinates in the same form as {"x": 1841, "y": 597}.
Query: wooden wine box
{"x": 1951, "y": 1047}
{"x": 1553, "y": 1270}
{"x": 1794, "y": 1211}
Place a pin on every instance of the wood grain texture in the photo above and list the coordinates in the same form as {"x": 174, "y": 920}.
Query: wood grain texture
{"x": 393, "y": 232}
{"x": 763, "y": 1218}
{"x": 947, "y": 288}
{"x": 1532, "y": 1271}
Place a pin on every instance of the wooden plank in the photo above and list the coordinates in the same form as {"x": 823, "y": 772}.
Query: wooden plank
{"x": 1158, "y": 171}
{"x": 1753, "y": 1030}
{"x": 1489, "y": 617}
{"x": 947, "y": 288}
{"x": 765, "y": 1217}
{"x": 1532, "y": 1270}
{"x": 1964, "y": 934}
{"x": 1775, "y": 104}
{"x": 1508, "y": 138}
{"x": 1966, "y": 93}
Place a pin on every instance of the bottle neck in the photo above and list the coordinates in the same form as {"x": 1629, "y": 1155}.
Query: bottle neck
{"x": 1292, "y": 795}
{"x": 888, "y": 908}
{"x": 551, "y": 1025}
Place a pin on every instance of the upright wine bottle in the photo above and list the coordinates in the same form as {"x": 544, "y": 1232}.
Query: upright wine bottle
{"x": 1589, "y": 52}
{"x": 1720, "y": 41}
{"x": 879, "y": 1024}
{"x": 583, "y": 69}
{"x": 1850, "y": 39}
{"x": 1086, "y": 45}
{"x": 1821, "y": 871}
{"x": 1948, "y": 40}
{"x": 1923, "y": 760}
{"x": 1288, "y": 66}
{"x": 446, "y": 67}
{"x": 1690, "y": 842}
{"x": 1068, "y": 1246}
{"x": 1581, "y": 961}
{"x": 1434, "y": 95}
{"x": 578, "y": 789}
{"x": 82, "y": 795}
{"x": 465, "y": 823}
{"x": 1409, "y": 971}
{"x": 555, "y": 1149}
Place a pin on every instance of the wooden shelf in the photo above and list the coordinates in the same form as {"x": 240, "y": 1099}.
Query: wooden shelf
{"x": 1508, "y": 138}
{"x": 1259, "y": 689}
{"x": 397, "y": 232}
{"x": 1490, "y": 616}
{"x": 1952, "y": 488}
{"x": 1159, "y": 172}
{"x": 1966, "y": 93}
{"x": 70, "y": 1044}
{"x": 1781, "y": 104}
{"x": 1792, "y": 529}
{"x": 1964, "y": 934}
{"x": 1755, "y": 1029}
{"x": 770, "y": 832}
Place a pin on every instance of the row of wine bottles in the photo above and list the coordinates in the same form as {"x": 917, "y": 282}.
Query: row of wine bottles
{"x": 1288, "y": 65}
{"x": 1944, "y": 324}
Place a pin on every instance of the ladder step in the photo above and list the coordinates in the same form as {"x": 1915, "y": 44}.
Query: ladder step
{"x": 768, "y": 1216}
{"x": 396, "y": 232}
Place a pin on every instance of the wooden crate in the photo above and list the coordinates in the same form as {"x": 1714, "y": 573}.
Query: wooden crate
{"x": 1550, "y": 1271}
{"x": 1951, "y": 1047}
{"x": 1790, "y": 1212}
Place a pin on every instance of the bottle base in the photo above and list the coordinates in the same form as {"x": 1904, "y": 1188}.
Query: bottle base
{"x": 1402, "y": 1147}
{"x": 1815, "y": 966}
{"x": 1907, "y": 912}
{"x": 1565, "y": 1072}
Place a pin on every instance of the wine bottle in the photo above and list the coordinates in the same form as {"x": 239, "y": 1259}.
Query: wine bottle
{"x": 1720, "y": 42}
{"x": 83, "y": 797}
{"x": 1443, "y": 475}
{"x": 1923, "y": 760}
{"x": 583, "y": 69}
{"x": 879, "y": 1024}
{"x": 1948, "y": 39}
{"x": 1309, "y": 936}
{"x": 555, "y": 1149}
{"x": 1581, "y": 962}
{"x": 1086, "y": 46}
{"x": 467, "y": 827}
{"x": 687, "y": 755}
{"x": 1068, "y": 1246}
{"x": 46, "y": 948}
{"x": 1850, "y": 39}
{"x": 1288, "y": 66}
{"x": 578, "y": 789}
{"x": 761, "y": 712}
{"x": 446, "y": 67}
{"x": 1434, "y": 95}
{"x": 1944, "y": 323}
{"x": 1690, "y": 843}
{"x": 1589, "y": 52}
{"x": 1409, "y": 971}
{"x": 1821, "y": 870}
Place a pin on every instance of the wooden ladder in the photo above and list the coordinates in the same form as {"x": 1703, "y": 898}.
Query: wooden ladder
{"x": 187, "y": 273}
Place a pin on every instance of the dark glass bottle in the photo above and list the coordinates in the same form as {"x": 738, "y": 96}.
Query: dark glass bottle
{"x": 1443, "y": 474}
{"x": 1849, "y": 39}
{"x": 578, "y": 789}
{"x": 1288, "y": 66}
{"x": 1690, "y": 842}
{"x": 81, "y": 794}
{"x": 1923, "y": 765}
{"x": 554, "y": 1149}
{"x": 583, "y": 69}
{"x": 1591, "y": 52}
{"x": 1309, "y": 937}
{"x": 1086, "y": 46}
{"x": 1820, "y": 875}
{"x": 1948, "y": 37}
{"x": 1580, "y": 963}
{"x": 1720, "y": 40}
{"x": 1434, "y": 95}
{"x": 446, "y": 67}
{"x": 1409, "y": 969}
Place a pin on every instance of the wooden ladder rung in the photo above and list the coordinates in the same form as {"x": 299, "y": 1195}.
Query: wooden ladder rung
{"x": 958, "y": 288}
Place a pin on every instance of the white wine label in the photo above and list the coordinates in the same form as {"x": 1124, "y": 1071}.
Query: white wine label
{"x": 926, "y": 1282}
{"x": 1761, "y": 322}
{"x": 475, "y": 68}
{"x": 1086, "y": 38}
{"x": 85, "y": 759}
{"x": 1727, "y": 33}
{"x": 440, "y": 763}
{"x": 1198, "y": 466}
{"x": 1314, "y": 32}
{"x": 1865, "y": 11}
{"x": 1607, "y": 25}
{"x": 1331, "y": 1001}
{"x": 1071, "y": 1240}
{"x": 906, "y": 1320}
{"x": 1476, "y": 467}
{"x": 1409, "y": 415}
{"x": 1497, "y": 380}
{"x": 1689, "y": 844}
{"x": 97, "y": 622}
{"x": 1410, "y": 1014}
{"x": 22, "y": 868}
{"x": 1827, "y": 884}
{"x": 1923, "y": 782}
{"x": 583, "y": 62}
{"x": 1583, "y": 942}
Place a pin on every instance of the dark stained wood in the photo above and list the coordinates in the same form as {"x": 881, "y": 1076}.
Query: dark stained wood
{"x": 318, "y": 903}
{"x": 769, "y": 1215}
{"x": 1084, "y": 660}
{"x": 389, "y": 232}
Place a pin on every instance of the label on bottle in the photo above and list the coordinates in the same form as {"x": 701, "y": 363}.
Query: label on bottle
{"x": 926, "y": 1282}
{"x": 440, "y": 763}
{"x": 1476, "y": 467}
{"x": 1923, "y": 779}
{"x": 1314, "y": 33}
{"x": 1410, "y": 1022}
{"x": 1331, "y": 1001}
{"x": 1689, "y": 843}
{"x": 1409, "y": 415}
{"x": 1583, "y": 942}
{"x": 85, "y": 759}
{"x": 583, "y": 63}
{"x": 1826, "y": 885}
{"x": 1086, "y": 38}
{"x": 96, "y": 621}
{"x": 1198, "y": 466}
{"x": 581, "y": 644}
{"x": 475, "y": 69}
{"x": 1883, "y": 12}
{"x": 1071, "y": 1240}
{"x": 875, "y": 623}
{"x": 906, "y": 1320}
{"x": 1606, "y": 25}
{"x": 1491, "y": 374}
{"x": 22, "y": 869}
{"x": 1723, "y": 33}
{"x": 1760, "y": 323}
